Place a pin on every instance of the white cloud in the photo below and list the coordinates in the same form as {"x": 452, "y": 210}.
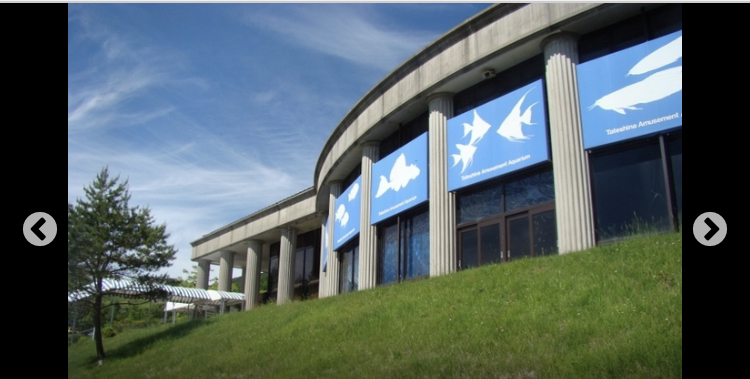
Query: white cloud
{"x": 345, "y": 31}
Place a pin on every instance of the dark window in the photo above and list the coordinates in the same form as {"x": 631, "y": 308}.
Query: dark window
{"x": 469, "y": 248}
{"x": 273, "y": 271}
{"x": 545, "y": 233}
{"x": 353, "y": 175}
{"x": 404, "y": 134}
{"x": 630, "y": 194}
{"x": 646, "y": 26}
{"x": 519, "y": 237}
{"x": 349, "y": 276}
{"x": 491, "y": 244}
{"x": 404, "y": 246}
{"x": 307, "y": 265}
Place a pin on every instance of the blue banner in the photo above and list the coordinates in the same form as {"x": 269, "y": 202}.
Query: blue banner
{"x": 501, "y": 136}
{"x": 633, "y": 92}
{"x": 346, "y": 218}
{"x": 399, "y": 181}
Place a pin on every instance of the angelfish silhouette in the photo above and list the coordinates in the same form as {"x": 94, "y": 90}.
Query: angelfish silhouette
{"x": 400, "y": 176}
{"x": 465, "y": 155}
{"x": 478, "y": 129}
{"x": 511, "y": 126}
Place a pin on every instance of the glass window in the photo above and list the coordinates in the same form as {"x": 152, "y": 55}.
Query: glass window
{"x": 349, "y": 277}
{"x": 273, "y": 273}
{"x": 490, "y": 242}
{"x": 629, "y": 191}
{"x": 469, "y": 249}
{"x": 389, "y": 255}
{"x": 530, "y": 190}
{"x": 544, "y": 229}
{"x": 416, "y": 240}
{"x": 518, "y": 238}
{"x": 299, "y": 266}
{"x": 476, "y": 205}
{"x": 304, "y": 270}
{"x": 404, "y": 247}
{"x": 346, "y": 266}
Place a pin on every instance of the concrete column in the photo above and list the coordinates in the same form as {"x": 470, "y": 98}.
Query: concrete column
{"x": 226, "y": 266}
{"x": 204, "y": 268}
{"x": 286, "y": 265}
{"x": 573, "y": 210}
{"x": 252, "y": 271}
{"x": 442, "y": 203}
{"x": 242, "y": 279}
{"x": 368, "y": 257}
{"x": 334, "y": 265}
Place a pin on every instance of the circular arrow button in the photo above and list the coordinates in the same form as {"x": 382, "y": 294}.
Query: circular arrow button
{"x": 39, "y": 229}
{"x": 710, "y": 229}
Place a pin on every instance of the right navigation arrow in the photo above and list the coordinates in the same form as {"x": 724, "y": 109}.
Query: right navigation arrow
{"x": 713, "y": 229}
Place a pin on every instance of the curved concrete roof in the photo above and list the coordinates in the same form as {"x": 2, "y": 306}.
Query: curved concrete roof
{"x": 501, "y": 36}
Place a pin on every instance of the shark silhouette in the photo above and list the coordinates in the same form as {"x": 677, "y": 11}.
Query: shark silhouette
{"x": 659, "y": 58}
{"x": 655, "y": 87}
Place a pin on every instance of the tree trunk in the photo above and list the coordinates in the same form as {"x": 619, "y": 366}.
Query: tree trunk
{"x": 98, "y": 325}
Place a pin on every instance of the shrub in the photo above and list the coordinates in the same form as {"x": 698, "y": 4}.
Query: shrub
{"x": 108, "y": 332}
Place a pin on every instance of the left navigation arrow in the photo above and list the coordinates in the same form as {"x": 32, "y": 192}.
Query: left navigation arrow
{"x": 37, "y": 229}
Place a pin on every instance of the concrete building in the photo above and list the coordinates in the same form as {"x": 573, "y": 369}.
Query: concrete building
{"x": 529, "y": 129}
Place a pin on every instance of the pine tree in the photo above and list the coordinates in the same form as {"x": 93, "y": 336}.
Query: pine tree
{"x": 107, "y": 239}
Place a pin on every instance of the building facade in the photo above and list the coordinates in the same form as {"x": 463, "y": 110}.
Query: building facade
{"x": 530, "y": 129}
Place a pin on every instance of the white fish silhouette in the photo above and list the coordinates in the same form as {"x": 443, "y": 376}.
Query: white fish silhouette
{"x": 511, "y": 126}
{"x": 345, "y": 219}
{"x": 342, "y": 215}
{"x": 478, "y": 128}
{"x": 659, "y": 58}
{"x": 465, "y": 155}
{"x": 400, "y": 176}
{"x": 655, "y": 87}
{"x": 354, "y": 191}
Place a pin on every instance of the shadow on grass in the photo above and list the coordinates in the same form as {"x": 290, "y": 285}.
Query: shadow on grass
{"x": 140, "y": 345}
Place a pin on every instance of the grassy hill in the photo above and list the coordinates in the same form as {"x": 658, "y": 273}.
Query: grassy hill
{"x": 610, "y": 312}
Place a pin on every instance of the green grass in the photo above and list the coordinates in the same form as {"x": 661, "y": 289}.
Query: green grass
{"x": 610, "y": 312}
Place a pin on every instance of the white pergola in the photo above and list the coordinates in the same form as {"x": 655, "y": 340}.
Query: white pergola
{"x": 179, "y": 299}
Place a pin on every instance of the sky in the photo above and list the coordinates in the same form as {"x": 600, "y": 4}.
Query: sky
{"x": 212, "y": 112}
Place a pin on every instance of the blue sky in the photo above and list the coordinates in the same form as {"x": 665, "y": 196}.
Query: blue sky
{"x": 214, "y": 111}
